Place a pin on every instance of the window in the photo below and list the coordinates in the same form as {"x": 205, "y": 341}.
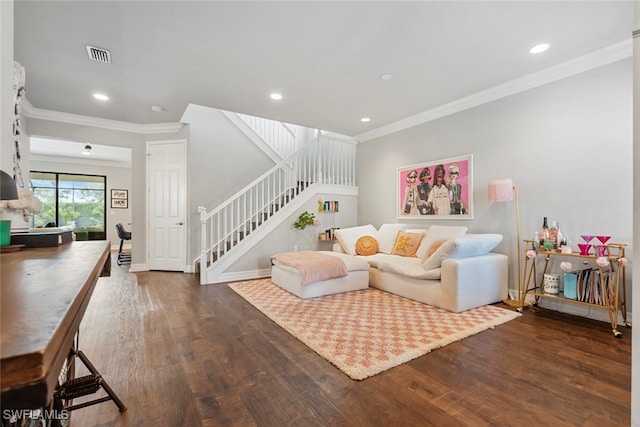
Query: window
{"x": 71, "y": 200}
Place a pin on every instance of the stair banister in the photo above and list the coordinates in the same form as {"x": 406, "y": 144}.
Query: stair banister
{"x": 203, "y": 234}
{"x": 278, "y": 135}
{"x": 264, "y": 195}
{"x": 327, "y": 159}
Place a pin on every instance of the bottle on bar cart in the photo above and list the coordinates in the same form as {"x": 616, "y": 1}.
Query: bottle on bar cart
{"x": 562, "y": 238}
{"x": 544, "y": 233}
{"x": 553, "y": 235}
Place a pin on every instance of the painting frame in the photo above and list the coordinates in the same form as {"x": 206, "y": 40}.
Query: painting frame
{"x": 119, "y": 199}
{"x": 414, "y": 200}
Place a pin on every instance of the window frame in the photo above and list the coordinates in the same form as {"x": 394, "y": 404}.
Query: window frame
{"x": 56, "y": 189}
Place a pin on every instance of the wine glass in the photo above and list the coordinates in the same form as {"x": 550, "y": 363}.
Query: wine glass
{"x": 587, "y": 238}
{"x": 602, "y": 250}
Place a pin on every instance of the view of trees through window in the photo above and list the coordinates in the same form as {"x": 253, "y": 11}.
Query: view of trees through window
{"x": 69, "y": 199}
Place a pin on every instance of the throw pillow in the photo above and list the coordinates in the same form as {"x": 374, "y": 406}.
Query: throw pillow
{"x": 434, "y": 246}
{"x": 438, "y": 232}
{"x": 386, "y": 236}
{"x": 463, "y": 247}
{"x": 367, "y": 245}
{"x": 347, "y": 237}
{"x": 407, "y": 244}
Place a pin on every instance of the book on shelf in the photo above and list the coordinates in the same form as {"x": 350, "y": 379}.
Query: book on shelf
{"x": 330, "y": 206}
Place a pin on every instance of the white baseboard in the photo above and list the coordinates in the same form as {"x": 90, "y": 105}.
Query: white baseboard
{"x": 138, "y": 267}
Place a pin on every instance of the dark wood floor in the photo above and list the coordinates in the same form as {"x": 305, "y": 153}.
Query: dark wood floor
{"x": 181, "y": 354}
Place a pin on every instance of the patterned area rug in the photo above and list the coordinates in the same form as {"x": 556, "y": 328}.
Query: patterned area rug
{"x": 367, "y": 332}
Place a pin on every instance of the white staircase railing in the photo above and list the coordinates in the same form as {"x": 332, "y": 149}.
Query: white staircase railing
{"x": 278, "y": 135}
{"x": 325, "y": 160}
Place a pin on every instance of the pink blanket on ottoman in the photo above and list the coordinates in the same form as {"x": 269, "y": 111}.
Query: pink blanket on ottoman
{"x": 313, "y": 266}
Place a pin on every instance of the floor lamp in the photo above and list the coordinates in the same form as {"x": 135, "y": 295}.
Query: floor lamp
{"x": 503, "y": 190}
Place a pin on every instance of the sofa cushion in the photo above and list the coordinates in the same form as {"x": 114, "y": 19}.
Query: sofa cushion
{"x": 463, "y": 247}
{"x": 387, "y": 235}
{"x": 347, "y": 237}
{"x": 407, "y": 244}
{"x": 436, "y": 233}
{"x": 404, "y": 266}
{"x": 366, "y": 245}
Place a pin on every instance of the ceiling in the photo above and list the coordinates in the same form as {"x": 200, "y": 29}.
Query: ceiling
{"x": 325, "y": 58}
{"x": 55, "y": 149}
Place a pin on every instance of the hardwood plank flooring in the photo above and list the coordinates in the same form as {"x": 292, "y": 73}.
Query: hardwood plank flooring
{"x": 181, "y": 354}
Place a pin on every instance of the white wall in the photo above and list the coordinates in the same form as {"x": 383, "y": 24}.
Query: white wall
{"x": 635, "y": 349}
{"x": 566, "y": 145}
{"x": 6, "y": 85}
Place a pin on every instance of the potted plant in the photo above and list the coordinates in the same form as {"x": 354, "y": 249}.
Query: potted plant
{"x": 305, "y": 219}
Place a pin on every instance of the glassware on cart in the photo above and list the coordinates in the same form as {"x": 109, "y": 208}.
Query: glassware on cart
{"x": 584, "y": 248}
{"x": 602, "y": 250}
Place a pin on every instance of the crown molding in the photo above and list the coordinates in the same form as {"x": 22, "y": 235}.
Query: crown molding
{"x": 76, "y": 119}
{"x": 599, "y": 58}
{"x": 74, "y": 160}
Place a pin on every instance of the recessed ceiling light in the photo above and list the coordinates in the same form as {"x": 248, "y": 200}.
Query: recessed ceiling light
{"x": 87, "y": 150}
{"x": 539, "y": 48}
{"x": 101, "y": 96}
{"x": 275, "y": 96}
{"x": 156, "y": 108}
{"x": 385, "y": 76}
{"x": 365, "y": 120}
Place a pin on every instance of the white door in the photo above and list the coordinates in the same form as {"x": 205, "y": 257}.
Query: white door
{"x": 166, "y": 168}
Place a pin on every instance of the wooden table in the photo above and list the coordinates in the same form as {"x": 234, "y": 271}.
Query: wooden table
{"x": 44, "y": 294}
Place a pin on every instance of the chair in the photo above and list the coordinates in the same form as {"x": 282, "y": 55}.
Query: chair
{"x": 123, "y": 257}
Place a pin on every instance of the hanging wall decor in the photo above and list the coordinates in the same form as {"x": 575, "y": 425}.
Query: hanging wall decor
{"x": 119, "y": 199}
{"x": 439, "y": 189}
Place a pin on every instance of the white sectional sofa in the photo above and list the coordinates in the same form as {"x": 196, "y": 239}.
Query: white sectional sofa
{"x": 449, "y": 268}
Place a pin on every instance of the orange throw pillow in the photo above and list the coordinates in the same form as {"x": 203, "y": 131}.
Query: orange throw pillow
{"x": 407, "y": 244}
{"x": 366, "y": 245}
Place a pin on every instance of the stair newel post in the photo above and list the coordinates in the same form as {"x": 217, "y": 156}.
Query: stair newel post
{"x": 203, "y": 243}
{"x": 319, "y": 178}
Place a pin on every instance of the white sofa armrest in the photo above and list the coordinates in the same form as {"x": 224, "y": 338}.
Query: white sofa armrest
{"x": 474, "y": 281}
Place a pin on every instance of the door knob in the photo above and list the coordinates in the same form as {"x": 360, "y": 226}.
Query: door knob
{"x": 179, "y": 223}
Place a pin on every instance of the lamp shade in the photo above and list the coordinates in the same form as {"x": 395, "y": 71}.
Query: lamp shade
{"x": 8, "y": 187}
{"x": 500, "y": 190}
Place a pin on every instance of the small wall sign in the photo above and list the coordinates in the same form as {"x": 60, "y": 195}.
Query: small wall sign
{"x": 119, "y": 199}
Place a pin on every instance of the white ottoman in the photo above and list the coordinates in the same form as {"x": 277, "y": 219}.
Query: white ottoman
{"x": 289, "y": 279}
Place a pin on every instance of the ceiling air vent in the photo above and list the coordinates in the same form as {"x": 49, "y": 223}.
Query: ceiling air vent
{"x": 98, "y": 54}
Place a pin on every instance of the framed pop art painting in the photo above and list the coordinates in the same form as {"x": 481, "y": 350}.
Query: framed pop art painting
{"x": 441, "y": 189}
